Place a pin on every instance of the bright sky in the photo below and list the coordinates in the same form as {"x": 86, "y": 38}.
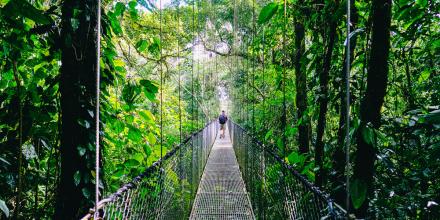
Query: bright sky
{"x": 165, "y": 3}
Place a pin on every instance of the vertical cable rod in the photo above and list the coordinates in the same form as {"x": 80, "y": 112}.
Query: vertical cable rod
{"x": 179, "y": 72}
{"x": 98, "y": 84}
{"x": 161, "y": 79}
{"x": 193, "y": 60}
{"x": 253, "y": 67}
{"x": 198, "y": 66}
{"x": 284, "y": 121}
{"x": 161, "y": 102}
{"x": 264, "y": 77}
{"x": 347, "y": 113}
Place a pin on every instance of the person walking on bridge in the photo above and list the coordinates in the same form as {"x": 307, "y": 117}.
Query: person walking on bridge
{"x": 222, "y": 119}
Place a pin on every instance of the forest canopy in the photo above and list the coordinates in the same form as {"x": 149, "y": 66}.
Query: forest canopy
{"x": 169, "y": 67}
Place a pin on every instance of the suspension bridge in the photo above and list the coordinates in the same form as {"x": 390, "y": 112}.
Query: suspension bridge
{"x": 206, "y": 177}
{"x": 210, "y": 178}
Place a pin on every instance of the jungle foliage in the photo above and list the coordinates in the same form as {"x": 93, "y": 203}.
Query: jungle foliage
{"x": 161, "y": 74}
{"x": 289, "y": 90}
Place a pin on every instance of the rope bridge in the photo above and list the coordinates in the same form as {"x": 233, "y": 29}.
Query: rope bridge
{"x": 167, "y": 189}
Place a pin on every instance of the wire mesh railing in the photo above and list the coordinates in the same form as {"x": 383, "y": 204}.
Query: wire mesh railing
{"x": 276, "y": 190}
{"x": 166, "y": 189}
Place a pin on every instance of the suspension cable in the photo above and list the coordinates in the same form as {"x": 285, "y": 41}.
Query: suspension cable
{"x": 180, "y": 174}
{"x": 198, "y": 65}
{"x": 192, "y": 62}
{"x": 198, "y": 85}
{"x": 347, "y": 113}
{"x": 161, "y": 97}
{"x": 253, "y": 67}
{"x": 264, "y": 75}
{"x": 179, "y": 72}
{"x": 161, "y": 79}
{"x": 98, "y": 84}
{"x": 284, "y": 120}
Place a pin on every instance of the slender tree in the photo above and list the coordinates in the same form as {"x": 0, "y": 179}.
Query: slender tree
{"x": 323, "y": 100}
{"x": 77, "y": 88}
{"x": 372, "y": 102}
{"x": 301, "y": 86}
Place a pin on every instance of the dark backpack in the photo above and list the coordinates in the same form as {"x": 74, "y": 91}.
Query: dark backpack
{"x": 222, "y": 119}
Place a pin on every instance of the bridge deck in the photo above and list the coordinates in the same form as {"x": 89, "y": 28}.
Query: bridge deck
{"x": 222, "y": 193}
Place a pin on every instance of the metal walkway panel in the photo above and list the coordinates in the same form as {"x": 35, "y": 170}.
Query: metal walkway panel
{"x": 222, "y": 192}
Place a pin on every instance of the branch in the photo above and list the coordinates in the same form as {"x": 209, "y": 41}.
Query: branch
{"x": 258, "y": 90}
{"x": 229, "y": 53}
{"x": 197, "y": 101}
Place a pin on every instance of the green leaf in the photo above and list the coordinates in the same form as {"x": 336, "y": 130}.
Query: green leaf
{"x": 119, "y": 62}
{"x": 294, "y": 158}
{"x": 435, "y": 44}
{"x": 424, "y": 76}
{"x": 368, "y": 135}
{"x": 132, "y": 9}
{"x": 267, "y": 12}
{"x": 432, "y": 118}
{"x": 145, "y": 114}
{"x": 151, "y": 138}
{"x": 147, "y": 150}
{"x": 131, "y": 163}
{"x": 291, "y": 131}
{"x": 155, "y": 45}
{"x": 142, "y": 45}
{"x": 268, "y": 134}
{"x": 422, "y": 3}
{"x": 118, "y": 126}
{"x": 118, "y": 174}
{"x": 86, "y": 192}
{"x": 150, "y": 89}
{"x": 116, "y": 26}
{"x": 25, "y": 9}
{"x": 119, "y": 8}
{"x": 358, "y": 192}
{"x": 280, "y": 144}
{"x": 81, "y": 151}
{"x": 84, "y": 123}
{"x": 403, "y": 2}
{"x": 403, "y": 14}
{"x": 74, "y": 23}
{"x": 138, "y": 157}
{"x": 412, "y": 21}
{"x": 77, "y": 178}
{"x": 4, "y": 208}
{"x": 129, "y": 119}
{"x": 134, "y": 134}
{"x": 4, "y": 161}
{"x": 132, "y": 5}
{"x": 3, "y": 2}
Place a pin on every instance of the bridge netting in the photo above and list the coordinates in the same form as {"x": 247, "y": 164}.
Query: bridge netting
{"x": 167, "y": 189}
{"x": 276, "y": 189}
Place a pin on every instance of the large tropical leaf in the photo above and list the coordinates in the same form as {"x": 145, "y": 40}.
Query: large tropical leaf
{"x": 25, "y": 9}
{"x": 267, "y": 12}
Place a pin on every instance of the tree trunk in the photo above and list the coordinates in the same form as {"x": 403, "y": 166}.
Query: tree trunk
{"x": 301, "y": 89}
{"x": 77, "y": 89}
{"x": 323, "y": 101}
{"x": 373, "y": 100}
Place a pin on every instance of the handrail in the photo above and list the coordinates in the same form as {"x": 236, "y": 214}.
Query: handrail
{"x": 271, "y": 150}
{"x": 133, "y": 184}
{"x": 303, "y": 179}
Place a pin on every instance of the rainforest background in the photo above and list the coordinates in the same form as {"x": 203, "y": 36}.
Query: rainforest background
{"x": 166, "y": 68}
